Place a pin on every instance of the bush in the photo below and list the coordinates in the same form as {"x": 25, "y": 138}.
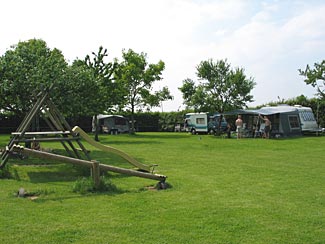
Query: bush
{"x": 5, "y": 172}
{"x": 86, "y": 185}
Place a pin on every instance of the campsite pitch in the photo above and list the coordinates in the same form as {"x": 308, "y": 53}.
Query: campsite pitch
{"x": 222, "y": 191}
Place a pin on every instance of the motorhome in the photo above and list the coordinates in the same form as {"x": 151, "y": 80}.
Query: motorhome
{"x": 204, "y": 123}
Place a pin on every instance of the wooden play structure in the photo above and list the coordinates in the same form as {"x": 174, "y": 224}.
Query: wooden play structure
{"x": 70, "y": 138}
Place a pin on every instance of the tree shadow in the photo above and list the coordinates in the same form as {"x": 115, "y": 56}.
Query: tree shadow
{"x": 51, "y": 176}
{"x": 113, "y": 143}
{"x": 150, "y": 136}
{"x": 47, "y": 198}
{"x": 164, "y": 135}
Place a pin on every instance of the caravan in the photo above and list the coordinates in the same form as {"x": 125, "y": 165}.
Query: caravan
{"x": 112, "y": 124}
{"x": 204, "y": 123}
{"x": 307, "y": 119}
{"x": 286, "y": 120}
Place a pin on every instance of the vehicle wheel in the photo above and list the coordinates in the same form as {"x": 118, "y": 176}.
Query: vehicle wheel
{"x": 193, "y": 131}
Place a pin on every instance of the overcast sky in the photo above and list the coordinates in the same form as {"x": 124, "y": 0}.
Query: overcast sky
{"x": 271, "y": 40}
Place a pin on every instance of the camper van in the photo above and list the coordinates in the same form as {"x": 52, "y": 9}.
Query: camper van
{"x": 307, "y": 119}
{"x": 203, "y": 123}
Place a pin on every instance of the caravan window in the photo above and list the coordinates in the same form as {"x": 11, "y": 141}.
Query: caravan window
{"x": 294, "y": 122}
{"x": 200, "y": 121}
{"x": 120, "y": 121}
{"x": 308, "y": 116}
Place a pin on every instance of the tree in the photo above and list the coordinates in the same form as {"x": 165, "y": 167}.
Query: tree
{"x": 80, "y": 93}
{"x": 221, "y": 88}
{"x": 107, "y": 92}
{"x": 25, "y": 70}
{"x": 315, "y": 77}
{"x": 137, "y": 78}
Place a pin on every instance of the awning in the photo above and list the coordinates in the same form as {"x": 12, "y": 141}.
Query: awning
{"x": 263, "y": 110}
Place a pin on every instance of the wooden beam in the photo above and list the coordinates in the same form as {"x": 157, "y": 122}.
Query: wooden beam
{"x": 76, "y": 161}
{"x": 42, "y": 133}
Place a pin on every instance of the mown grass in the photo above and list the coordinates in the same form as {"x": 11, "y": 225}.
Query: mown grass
{"x": 223, "y": 191}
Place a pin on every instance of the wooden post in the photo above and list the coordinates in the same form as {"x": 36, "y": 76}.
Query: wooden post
{"x": 95, "y": 171}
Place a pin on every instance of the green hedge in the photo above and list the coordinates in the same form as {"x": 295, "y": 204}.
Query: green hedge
{"x": 157, "y": 121}
{"x": 145, "y": 122}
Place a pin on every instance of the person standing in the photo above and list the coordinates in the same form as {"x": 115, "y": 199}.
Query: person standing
{"x": 228, "y": 130}
{"x": 267, "y": 128}
{"x": 239, "y": 127}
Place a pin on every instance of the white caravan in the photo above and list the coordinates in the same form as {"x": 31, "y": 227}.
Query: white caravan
{"x": 307, "y": 119}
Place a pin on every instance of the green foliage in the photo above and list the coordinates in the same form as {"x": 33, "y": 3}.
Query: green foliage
{"x": 83, "y": 186}
{"x": 146, "y": 121}
{"x": 25, "y": 70}
{"x": 157, "y": 121}
{"x": 106, "y": 95}
{"x": 168, "y": 121}
{"x": 30, "y": 67}
{"x": 315, "y": 77}
{"x": 86, "y": 185}
{"x": 137, "y": 78}
{"x": 5, "y": 172}
{"x": 221, "y": 89}
{"x": 107, "y": 92}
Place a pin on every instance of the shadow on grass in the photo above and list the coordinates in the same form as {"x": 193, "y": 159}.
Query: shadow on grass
{"x": 150, "y": 136}
{"x": 98, "y": 155}
{"x": 43, "y": 199}
{"x": 161, "y": 135}
{"x": 48, "y": 177}
{"x": 57, "y": 176}
{"x": 114, "y": 143}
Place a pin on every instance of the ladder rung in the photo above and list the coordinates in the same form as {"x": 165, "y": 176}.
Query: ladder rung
{"x": 42, "y": 133}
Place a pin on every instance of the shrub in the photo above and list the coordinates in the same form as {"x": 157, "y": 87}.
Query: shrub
{"x": 5, "y": 172}
{"x": 85, "y": 185}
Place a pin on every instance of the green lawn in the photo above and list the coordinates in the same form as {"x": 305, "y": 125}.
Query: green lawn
{"x": 223, "y": 191}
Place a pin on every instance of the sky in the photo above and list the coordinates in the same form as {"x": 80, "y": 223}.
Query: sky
{"x": 270, "y": 40}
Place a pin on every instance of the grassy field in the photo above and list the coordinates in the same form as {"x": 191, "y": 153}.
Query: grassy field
{"x": 223, "y": 191}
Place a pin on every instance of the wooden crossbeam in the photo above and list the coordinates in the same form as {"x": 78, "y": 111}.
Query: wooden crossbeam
{"x": 60, "y": 129}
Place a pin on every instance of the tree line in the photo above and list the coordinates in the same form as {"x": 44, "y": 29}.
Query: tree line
{"x": 87, "y": 87}
{"x": 97, "y": 84}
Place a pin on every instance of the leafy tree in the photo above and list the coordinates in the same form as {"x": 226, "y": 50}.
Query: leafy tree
{"x": 315, "y": 77}
{"x": 80, "y": 92}
{"x": 221, "y": 88}
{"x": 107, "y": 92}
{"x": 137, "y": 78}
{"x": 25, "y": 70}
